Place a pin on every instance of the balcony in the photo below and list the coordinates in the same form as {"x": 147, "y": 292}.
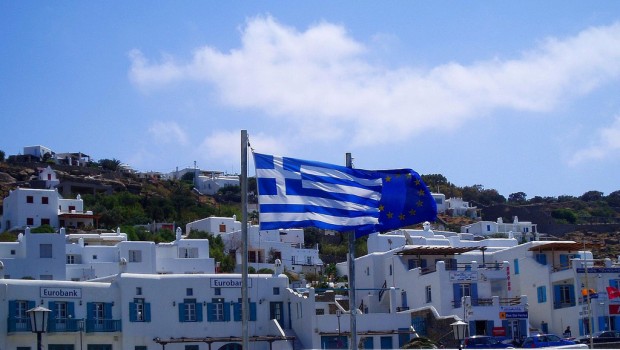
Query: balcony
{"x": 18, "y": 324}
{"x": 93, "y": 326}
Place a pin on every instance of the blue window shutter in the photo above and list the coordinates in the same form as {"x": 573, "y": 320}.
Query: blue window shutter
{"x": 252, "y": 311}
{"x": 423, "y": 263}
{"x": 71, "y": 309}
{"x": 198, "y": 312}
{"x": 571, "y": 293}
{"x": 563, "y": 260}
{"x": 107, "y": 311}
{"x": 602, "y": 323}
{"x": 210, "y": 312}
{"x": 581, "y": 331}
{"x": 556, "y": 297}
{"x": 132, "y": 312}
{"x": 181, "y": 307}
{"x": 237, "y": 311}
{"x": 516, "y": 266}
{"x": 90, "y": 311}
{"x": 474, "y": 294}
{"x": 456, "y": 291}
{"x": 226, "y": 311}
{"x": 52, "y": 306}
{"x": 489, "y": 328}
{"x": 147, "y": 312}
{"x": 12, "y": 308}
{"x": 544, "y": 294}
{"x": 31, "y": 304}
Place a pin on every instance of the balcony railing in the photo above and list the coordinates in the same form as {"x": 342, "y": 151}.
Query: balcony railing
{"x": 66, "y": 325}
{"x": 103, "y": 326}
{"x": 18, "y": 324}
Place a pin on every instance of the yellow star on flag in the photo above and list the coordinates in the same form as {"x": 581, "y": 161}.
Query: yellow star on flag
{"x": 401, "y": 216}
{"x": 389, "y": 215}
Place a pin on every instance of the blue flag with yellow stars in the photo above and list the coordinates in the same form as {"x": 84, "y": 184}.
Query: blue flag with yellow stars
{"x": 405, "y": 200}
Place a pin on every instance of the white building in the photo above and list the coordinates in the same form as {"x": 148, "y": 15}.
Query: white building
{"x": 210, "y": 184}
{"x": 521, "y": 230}
{"x": 88, "y": 256}
{"x": 459, "y": 207}
{"x": 27, "y": 207}
{"x": 38, "y": 151}
{"x": 264, "y": 247}
{"x": 198, "y": 311}
{"x": 496, "y": 285}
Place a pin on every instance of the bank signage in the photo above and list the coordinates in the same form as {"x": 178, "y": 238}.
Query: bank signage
{"x": 228, "y": 283}
{"x": 460, "y": 276}
{"x": 69, "y": 293}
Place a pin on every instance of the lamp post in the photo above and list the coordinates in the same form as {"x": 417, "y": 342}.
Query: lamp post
{"x": 459, "y": 328}
{"x": 38, "y": 322}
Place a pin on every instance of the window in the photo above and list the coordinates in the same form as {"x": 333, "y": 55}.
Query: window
{"x": 98, "y": 313}
{"x": 429, "y": 295}
{"x": 188, "y": 253}
{"x": 222, "y": 228}
{"x": 309, "y": 260}
{"x": 276, "y": 311}
{"x": 276, "y": 290}
{"x": 541, "y": 258}
{"x": 191, "y": 347}
{"x": 60, "y": 347}
{"x": 319, "y": 311}
{"x": 99, "y": 347}
{"x": 59, "y": 310}
{"x": 71, "y": 208}
{"x": 139, "y": 311}
{"x": 217, "y": 291}
{"x": 95, "y": 257}
{"x": 29, "y": 199}
{"x": 541, "y": 291}
{"x": 563, "y": 296}
{"x": 138, "y": 290}
{"x": 29, "y": 221}
{"x": 135, "y": 256}
{"x": 188, "y": 310}
{"x": 21, "y": 307}
{"x": 488, "y": 228}
{"x": 45, "y": 251}
{"x": 189, "y": 291}
{"x": 73, "y": 259}
{"x": 237, "y": 310}
{"x": 140, "y": 347}
{"x": 44, "y": 200}
{"x": 12, "y": 251}
{"x": 218, "y": 310}
{"x": 45, "y": 221}
{"x": 390, "y": 270}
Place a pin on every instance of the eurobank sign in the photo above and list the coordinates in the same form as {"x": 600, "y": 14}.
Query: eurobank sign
{"x": 228, "y": 283}
{"x": 69, "y": 293}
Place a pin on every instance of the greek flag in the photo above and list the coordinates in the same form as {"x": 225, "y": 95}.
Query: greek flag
{"x": 295, "y": 193}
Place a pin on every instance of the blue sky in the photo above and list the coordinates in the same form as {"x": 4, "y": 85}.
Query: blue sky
{"x": 513, "y": 95}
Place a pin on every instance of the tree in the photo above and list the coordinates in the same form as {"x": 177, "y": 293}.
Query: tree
{"x": 517, "y": 197}
{"x": 110, "y": 164}
{"x": 2, "y": 155}
{"x": 591, "y": 196}
{"x": 564, "y": 214}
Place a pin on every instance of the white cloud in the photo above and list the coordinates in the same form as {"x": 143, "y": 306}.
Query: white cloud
{"x": 606, "y": 145}
{"x": 321, "y": 80}
{"x": 168, "y": 133}
{"x": 225, "y": 145}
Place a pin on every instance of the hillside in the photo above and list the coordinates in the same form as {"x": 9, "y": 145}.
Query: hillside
{"x": 126, "y": 199}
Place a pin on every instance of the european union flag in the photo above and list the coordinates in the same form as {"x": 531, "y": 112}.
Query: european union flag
{"x": 301, "y": 193}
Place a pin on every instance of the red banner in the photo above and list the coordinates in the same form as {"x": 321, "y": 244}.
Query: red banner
{"x": 614, "y": 309}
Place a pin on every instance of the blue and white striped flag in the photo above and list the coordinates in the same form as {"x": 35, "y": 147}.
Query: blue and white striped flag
{"x": 301, "y": 193}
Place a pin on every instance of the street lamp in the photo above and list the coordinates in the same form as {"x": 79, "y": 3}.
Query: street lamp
{"x": 38, "y": 322}
{"x": 459, "y": 328}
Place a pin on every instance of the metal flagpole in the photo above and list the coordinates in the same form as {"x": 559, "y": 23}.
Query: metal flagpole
{"x": 351, "y": 258}
{"x": 245, "y": 307}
